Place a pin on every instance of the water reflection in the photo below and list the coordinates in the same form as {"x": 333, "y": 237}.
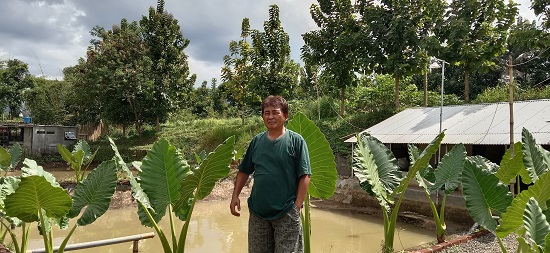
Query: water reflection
{"x": 213, "y": 229}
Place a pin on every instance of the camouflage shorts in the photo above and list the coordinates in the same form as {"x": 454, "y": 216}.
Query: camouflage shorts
{"x": 282, "y": 235}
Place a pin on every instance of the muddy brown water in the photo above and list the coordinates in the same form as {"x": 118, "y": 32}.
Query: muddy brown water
{"x": 214, "y": 229}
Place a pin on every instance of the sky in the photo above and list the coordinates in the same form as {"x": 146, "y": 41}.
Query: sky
{"x": 50, "y": 35}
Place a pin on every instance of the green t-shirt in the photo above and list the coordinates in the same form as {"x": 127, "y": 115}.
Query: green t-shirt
{"x": 277, "y": 166}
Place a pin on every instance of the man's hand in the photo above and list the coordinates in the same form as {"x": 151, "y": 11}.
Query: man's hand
{"x": 235, "y": 202}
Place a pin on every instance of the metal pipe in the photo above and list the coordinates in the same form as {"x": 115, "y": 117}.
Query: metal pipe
{"x": 99, "y": 243}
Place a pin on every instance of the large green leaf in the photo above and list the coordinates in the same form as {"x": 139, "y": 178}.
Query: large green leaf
{"x": 212, "y": 169}
{"x": 31, "y": 168}
{"x": 162, "y": 172}
{"x": 449, "y": 170}
{"x": 65, "y": 153}
{"x": 512, "y": 218}
{"x": 534, "y": 221}
{"x": 511, "y": 167}
{"x": 547, "y": 243}
{"x": 5, "y": 159}
{"x": 426, "y": 176}
{"x": 137, "y": 191}
{"x": 535, "y": 158}
{"x": 83, "y": 145}
{"x": 33, "y": 194}
{"x": 375, "y": 165}
{"x": 321, "y": 157}
{"x": 483, "y": 192}
{"x": 8, "y": 185}
{"x": 16, "y": 152}
{"x": 94, "y": 193}
{"x": 421, "y": 163}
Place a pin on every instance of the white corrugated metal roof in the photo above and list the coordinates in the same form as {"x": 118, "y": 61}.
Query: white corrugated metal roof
{"x": 487, "y": 124}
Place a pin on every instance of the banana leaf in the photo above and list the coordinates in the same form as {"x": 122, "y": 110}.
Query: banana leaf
{"x": 94, "y": 193}
{"x": 483, "y": 192}
{"x": 34, "y": 194}
{"x": 323, "y": 168}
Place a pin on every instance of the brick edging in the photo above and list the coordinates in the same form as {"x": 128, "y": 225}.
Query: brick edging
{"x": 462, "y": 239}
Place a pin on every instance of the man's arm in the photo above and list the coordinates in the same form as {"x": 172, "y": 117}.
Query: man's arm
{"x": 303, "y": 184}
{"x": 235, "y": 201}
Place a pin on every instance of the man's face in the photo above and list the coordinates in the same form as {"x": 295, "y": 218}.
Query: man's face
{"x": 274, "y": 118}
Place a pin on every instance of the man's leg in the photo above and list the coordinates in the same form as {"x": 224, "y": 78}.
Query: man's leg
{"x": 260, "y": 235}
{"x": 288, "y": 232}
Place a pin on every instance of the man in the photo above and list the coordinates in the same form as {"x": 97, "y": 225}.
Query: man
{"x": 279, "y": 160}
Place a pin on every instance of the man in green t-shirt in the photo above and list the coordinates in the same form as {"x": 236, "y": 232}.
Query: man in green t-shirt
{"x": 279, "y": 160}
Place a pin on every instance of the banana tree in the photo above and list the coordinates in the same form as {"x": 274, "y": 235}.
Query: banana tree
{"x": 37, "y": 197}
{"x": 526, "y": 214}
{"x": 79, "y": 159}
{"x": 376, "y": 168}
{"x": 323, "y": 168}
{"x": 167, "y": 185}
{"x": 446, "y": 176}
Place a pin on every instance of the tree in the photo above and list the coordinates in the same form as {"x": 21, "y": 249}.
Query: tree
{"x": 333, "y": 46}
{"x": 542, "y": 8}
{"x": 237, "y": 71}
{"x": 403, "y": 31}
{"x": 172, "y": 84}
{"x": 475, "y": 33}
{"x": 274, "y": 72}
{"x": 15, "y": 79}
{"x": 49, "y": 102}
{"x": 121, "y": 69}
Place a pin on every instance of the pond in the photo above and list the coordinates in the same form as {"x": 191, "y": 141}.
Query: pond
{"x": 214, "y": 229}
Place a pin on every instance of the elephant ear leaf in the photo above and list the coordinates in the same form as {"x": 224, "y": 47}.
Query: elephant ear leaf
{"x": 31, "y": 168}
{"x": 213, "y": 168}
{"x": 425, "y": 176}
{"x": 8, "y": 185}
{"x": 137, "y": 191}
{"x": 547, "y": 242}
{"x": 535, "y": 158}
{"x": 36, "y": 194}
{"x": 15, "y": 151}
{"x": 535, "y": 223}
{"x": 511, "y": 167}
{"x": 162, "y": 171}
{"x": 95, "y": 192}
{"x": 512, "y": 219}
{"x": 323, "y": 167}
{"x": 5, "y": 159}
{"x": 483, "y": 192}
{"x": 450, "y": 169}
{"x": 376, "y": 168}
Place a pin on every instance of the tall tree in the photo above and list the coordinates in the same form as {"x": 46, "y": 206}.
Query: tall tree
{"x": 237, "y": 72}
{"x": 334, "y": 46}
{"x": 542, "y": 9}
{"x": 15, "y": 79}
{"x": 121, "y": 68}
{"x": 403, "y": 31}
{"x": 475, "y": 33}
{"x": 274, "y": 72}
{"x": 172, "y": 83}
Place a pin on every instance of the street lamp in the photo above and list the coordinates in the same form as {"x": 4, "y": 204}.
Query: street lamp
{"x": 435, "y": 65}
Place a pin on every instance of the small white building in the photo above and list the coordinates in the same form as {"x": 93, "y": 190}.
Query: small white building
{"x": 38, "y": 139}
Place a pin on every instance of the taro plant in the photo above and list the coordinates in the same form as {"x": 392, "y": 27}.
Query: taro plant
{"x": 166, "y": 185}
{"x": 323, "y": 168}
{"x": 79, "y": 159}
{"x": 36, "y": 196}
{"x": 376, "y": 168}
{"x": 528, "y": 213}
{"x": 446, "y": 176}
{"x": 9, "y": 159}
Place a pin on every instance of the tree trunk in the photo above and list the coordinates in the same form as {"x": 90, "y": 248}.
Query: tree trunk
{"x": 426, "y": 85}
{"x": 396, "y": 96}
{"x": 158, "y": 123}
{"x": 466, "y": 85}
{"x": 123, "y": 130}
{"x": 343, "y": 101}
{"x": 242, "y": 115}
